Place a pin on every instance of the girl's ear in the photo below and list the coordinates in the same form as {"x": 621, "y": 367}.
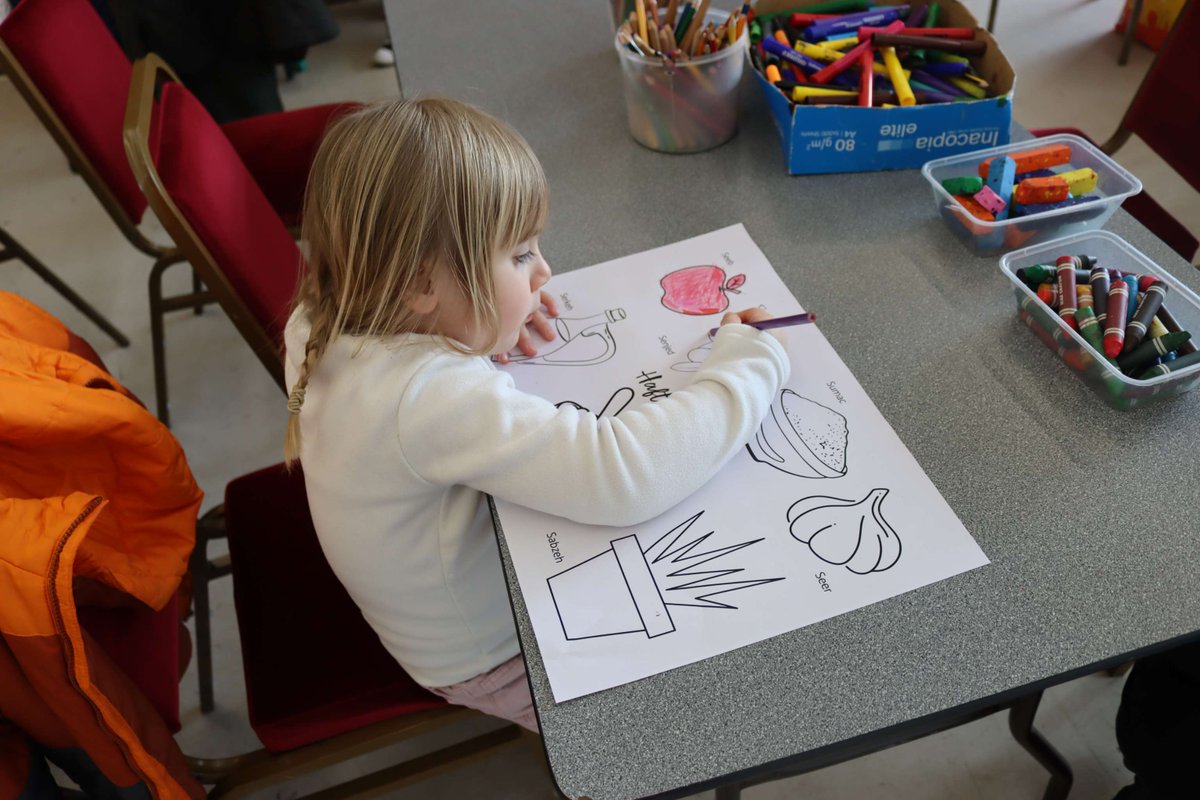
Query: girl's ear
{"x": 423, "y": 299}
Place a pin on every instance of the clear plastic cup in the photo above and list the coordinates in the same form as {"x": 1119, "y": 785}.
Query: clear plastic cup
{"x": 684, "y": 107}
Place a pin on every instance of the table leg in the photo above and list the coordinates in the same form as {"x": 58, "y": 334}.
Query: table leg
{"x": 1020, "y": 722}
{"x": 991, "y": 26}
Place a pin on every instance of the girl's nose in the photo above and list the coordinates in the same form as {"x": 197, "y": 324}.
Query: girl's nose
{"x": 541, "y": 275}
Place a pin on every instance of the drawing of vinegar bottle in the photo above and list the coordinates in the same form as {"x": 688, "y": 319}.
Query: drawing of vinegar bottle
{"x": 583, "y": 341}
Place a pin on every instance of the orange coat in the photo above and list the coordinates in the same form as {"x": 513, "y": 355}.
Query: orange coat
{"x": 96, "y": 499}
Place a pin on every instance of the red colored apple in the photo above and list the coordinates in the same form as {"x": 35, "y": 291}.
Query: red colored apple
{"x": 698, "y": 290}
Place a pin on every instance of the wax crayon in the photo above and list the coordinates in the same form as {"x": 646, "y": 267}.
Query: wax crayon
{"x": 1051, "y": 155}
{"x": 964, "y": 185}
{"x": 1042, "y": 190}
{"x": 1156, "y": 327}
{"x": 1137, "y": 358}
{"x": 1080, "y": 181}
{"x": 866, "y": 81}
{"x": 967, "y": 47}
{"x": 1114, "y": 327}
{"x": 936, "y": 83}
{"x": 850, "y": 23}
{"x": 974, "y": 209}
{"x": 1033, "y": 173}
{"x": 1089, "y": 328}
{"x": 1083, "y": 293}
{"x": 1182, "y": 361}
{"x": 1172, "y": 324}
{"x": 1131, "y": 306}
{"x": 974, "y": 90}
{"x": 999, "y": 178}
{"x": 1144, "y": 282}
{"x": 801, "y": 93}
{"x": 850, "y": 59}
{"x": 1149, "y": 304}
{"x": 1037, "y": 273}
{"x": 1067, "y": 301}
{"x": 1048, "y": 294}
{"x": 989, "y": 200}
{"x": 1028, "y": 210}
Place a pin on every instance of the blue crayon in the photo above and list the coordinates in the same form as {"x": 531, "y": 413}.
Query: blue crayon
{"x": 1033, "y": 173}
{"x": 1001, "y": 172}
{"x": 1131, "y": 282}
{"x": 850, "y": 23}
{"x": 1037, "y": 208}
{"x": 946, "y": 69}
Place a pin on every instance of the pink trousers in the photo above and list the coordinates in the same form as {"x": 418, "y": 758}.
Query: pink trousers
{"x": 502, "y": 692}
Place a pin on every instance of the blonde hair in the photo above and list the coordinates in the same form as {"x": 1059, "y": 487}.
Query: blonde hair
{"x": 395, "y": 189}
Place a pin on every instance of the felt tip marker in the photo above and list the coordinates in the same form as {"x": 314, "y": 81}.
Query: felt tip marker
{"x": 778, "y": 322}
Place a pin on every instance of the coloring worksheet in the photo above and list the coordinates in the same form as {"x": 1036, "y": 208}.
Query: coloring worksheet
{"x": 824, "y": 511}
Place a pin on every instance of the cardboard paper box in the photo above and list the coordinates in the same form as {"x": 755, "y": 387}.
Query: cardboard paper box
{"x": 818, "y": 139}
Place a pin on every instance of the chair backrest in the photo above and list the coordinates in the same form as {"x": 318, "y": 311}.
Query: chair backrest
{"x": 314, "y": 667}
{"x": 75, "y": 77}
{"x": 1165, "y": 112}
{"x": 213, "y": 209}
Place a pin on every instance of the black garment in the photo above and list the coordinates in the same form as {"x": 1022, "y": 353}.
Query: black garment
{"x": 224, "y": 51}
{"x": 1158, "y": 726}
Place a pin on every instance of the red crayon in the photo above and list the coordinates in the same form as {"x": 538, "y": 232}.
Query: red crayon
{"x": 1066, "y": 289}
{"x": 1118, "y": 307}
{"x": 1145, "y": 281}
{"x": 1048, "y": 294}
{"x": 866, "y": 77}
{"x": 800, "y": 20}
{"x": 852, "y": 55}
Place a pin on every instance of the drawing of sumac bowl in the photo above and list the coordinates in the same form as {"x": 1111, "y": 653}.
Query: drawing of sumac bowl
{"x": 802, "y": 438}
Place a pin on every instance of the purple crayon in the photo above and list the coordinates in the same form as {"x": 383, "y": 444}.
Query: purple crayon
{"x": 1099, "y": 281}
{"x": 846, "y": 23}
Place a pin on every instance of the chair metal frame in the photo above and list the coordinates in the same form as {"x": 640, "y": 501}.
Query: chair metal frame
{"x": 12, "y": 250}
{"x": 164, "y": 256}
{"x": 239, "y": 776}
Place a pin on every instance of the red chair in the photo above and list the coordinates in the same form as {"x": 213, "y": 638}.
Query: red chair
{"x": 1165, "y": 114}
{"x": 225, "y": 225}
{"x": 75, "y": 77}
{"x": 320, "y": 687}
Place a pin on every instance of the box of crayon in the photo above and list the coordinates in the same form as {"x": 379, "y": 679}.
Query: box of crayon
{"x": 921, "y": 103}
{"x": 1119, "y": 321}
{"x": 1037, "y": 190}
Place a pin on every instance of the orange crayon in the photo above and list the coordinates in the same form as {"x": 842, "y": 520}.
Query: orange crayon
{"x": 1038, "y": 158}
{"x": 1042, "y": 190}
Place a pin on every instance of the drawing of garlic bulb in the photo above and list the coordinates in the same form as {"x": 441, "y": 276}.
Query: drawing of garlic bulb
{"x": 853, "y": 533}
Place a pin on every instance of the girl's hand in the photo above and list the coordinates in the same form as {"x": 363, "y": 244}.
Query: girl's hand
{"x": 746, "y": 316}
{"x": 539, "y": 322}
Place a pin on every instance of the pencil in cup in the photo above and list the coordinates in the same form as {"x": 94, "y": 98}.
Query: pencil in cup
{"x": 683, "y": 105}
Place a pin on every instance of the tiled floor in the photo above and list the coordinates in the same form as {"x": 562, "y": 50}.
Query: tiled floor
{"x": 228, "y": 414}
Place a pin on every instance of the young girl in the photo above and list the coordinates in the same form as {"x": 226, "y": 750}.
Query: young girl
{"x": 421, "y": 222}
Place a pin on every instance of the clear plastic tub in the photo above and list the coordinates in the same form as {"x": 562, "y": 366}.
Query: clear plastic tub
{"x": 992, "y": 238}
{"x": 1118, "y": 390}
{"x": 684, "y": 107}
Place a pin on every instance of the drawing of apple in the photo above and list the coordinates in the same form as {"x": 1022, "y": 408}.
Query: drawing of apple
{"x": 698, "y": 291}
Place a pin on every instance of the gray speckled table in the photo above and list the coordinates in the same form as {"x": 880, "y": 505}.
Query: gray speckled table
{"x": 1002, "y": 428}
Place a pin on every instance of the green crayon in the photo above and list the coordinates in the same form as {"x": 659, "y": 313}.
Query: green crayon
{"x": 1167, "y": 367}
{"x": 1089, "y": 328}
{"x": 1147, "y": 351}
{"x": 964, "y": 185}
{"x": 1042, "y": 273}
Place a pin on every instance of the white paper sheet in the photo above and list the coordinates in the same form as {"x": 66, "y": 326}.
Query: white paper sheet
{"x": 824, "y": 512}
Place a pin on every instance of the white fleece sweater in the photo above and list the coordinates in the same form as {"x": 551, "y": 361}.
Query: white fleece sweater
{"x": 401, "y": 439}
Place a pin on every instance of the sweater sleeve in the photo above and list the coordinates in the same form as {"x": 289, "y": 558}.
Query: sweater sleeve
{"x": 469, "y": 425}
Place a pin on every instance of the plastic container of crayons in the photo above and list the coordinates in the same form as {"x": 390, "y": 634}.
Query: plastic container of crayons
{"x": 683, "y": 103}
{"x": 1163, "y": 363}
{"x": 1086, "y": 204}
